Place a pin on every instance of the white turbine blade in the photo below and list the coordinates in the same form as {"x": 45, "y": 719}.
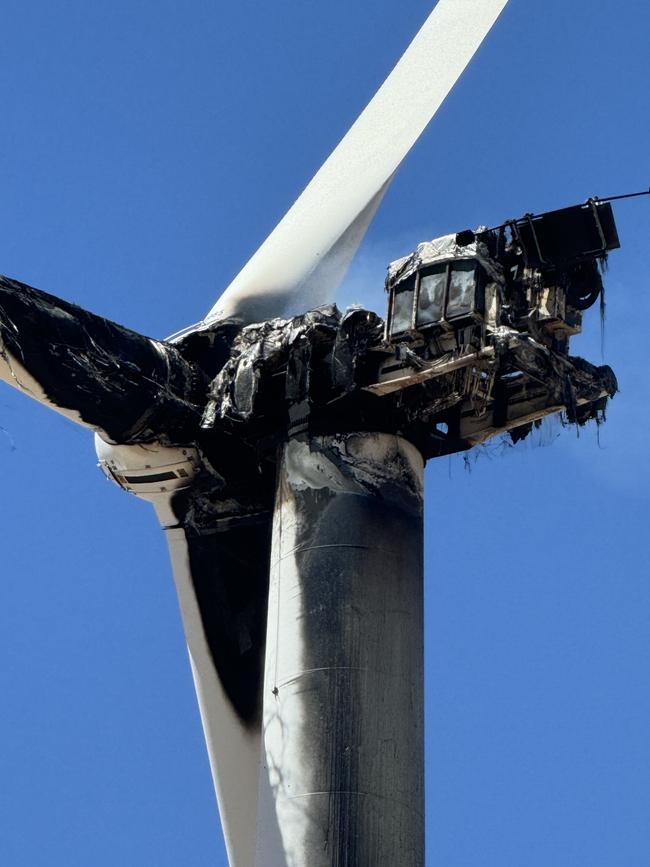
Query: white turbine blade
{"x": 292, "y": 258}
{"x": 330, "y": 270}
{"x": 234, "y": 749}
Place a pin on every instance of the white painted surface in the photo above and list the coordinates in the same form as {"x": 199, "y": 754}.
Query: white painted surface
{"x": 333, "y": 212}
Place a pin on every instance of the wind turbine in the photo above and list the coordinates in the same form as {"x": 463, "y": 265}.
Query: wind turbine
{"x": 320, "y": 229}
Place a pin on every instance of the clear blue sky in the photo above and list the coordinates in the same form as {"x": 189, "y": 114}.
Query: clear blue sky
{"x": 147, "y": 148}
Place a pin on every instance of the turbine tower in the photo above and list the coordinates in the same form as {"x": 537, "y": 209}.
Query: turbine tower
{"x": 284, "y": 458}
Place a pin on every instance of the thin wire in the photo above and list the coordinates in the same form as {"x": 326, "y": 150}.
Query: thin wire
{"x": 623, "y": 196}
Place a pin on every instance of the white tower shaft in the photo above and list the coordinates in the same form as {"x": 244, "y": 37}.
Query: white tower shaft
{"x": 343, "y": 693}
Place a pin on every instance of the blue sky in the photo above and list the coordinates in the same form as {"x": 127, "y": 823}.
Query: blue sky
{"x": 147, "y": 149}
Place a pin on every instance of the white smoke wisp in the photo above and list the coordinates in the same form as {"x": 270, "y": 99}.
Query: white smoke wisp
{"x": 364, "y": 282}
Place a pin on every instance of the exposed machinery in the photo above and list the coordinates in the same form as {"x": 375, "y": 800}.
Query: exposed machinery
{"x": 496, "y": 309}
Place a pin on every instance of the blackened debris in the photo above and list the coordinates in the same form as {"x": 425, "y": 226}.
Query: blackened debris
{"x": 328, "y": 372}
